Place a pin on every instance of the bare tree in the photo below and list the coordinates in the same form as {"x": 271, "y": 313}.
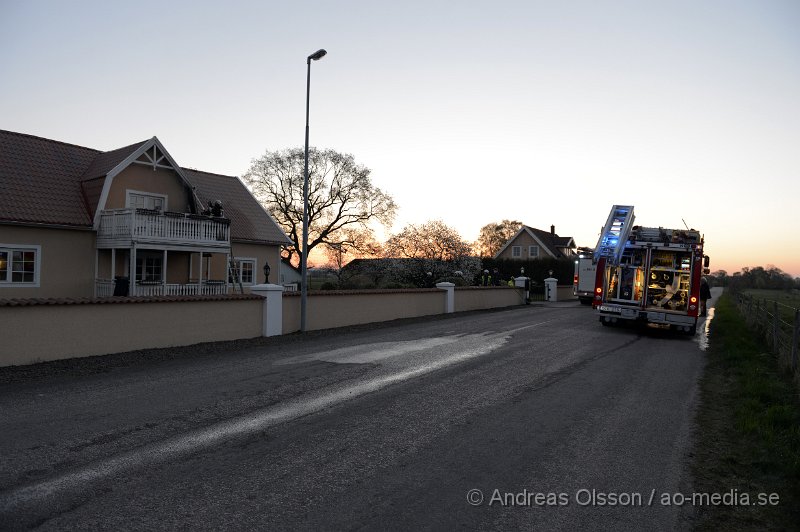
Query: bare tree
{"x": 493, "y": 236}
{"x": 341, "y": 197}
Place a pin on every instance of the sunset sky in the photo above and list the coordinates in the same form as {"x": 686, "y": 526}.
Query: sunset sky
{"x": 471, "y": 112}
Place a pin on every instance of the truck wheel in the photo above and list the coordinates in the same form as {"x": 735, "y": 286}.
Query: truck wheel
{"x": 604, "y": 322}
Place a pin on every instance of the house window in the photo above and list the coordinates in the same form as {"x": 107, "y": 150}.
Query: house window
{"x": 19, "y": 265}
{"x": 143, "y": 200}
{"x": 149, "y": 268}
{"x": 23, "y": 266}
{"x": 246, "y": 268}
{"x": 516, "y": 251}
{"x": 533, "y": 252}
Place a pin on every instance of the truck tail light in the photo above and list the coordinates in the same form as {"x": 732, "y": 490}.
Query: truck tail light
{"x": 575, "y": 279}
{"x": 693, "y": 299}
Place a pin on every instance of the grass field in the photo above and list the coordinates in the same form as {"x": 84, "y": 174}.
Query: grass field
{"x": 748, "y": 430}
{"x": 788, "y": 300}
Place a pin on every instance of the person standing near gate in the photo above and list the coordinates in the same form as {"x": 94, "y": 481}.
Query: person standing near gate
{"x": 705, "y": 295}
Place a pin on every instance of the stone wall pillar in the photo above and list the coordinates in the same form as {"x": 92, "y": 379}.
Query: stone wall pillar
{"x": 272, "y": 321}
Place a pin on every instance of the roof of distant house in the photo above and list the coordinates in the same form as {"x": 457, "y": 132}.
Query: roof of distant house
{"x": 45, "y": 181}
{"x": 548, "y": 239}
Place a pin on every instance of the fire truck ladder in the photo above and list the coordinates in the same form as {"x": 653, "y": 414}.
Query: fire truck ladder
{"x": 615, "y": 234}
{"x": 650, "y": 234}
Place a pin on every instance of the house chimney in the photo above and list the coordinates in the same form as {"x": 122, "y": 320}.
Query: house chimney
{"x": 553, "y": 230}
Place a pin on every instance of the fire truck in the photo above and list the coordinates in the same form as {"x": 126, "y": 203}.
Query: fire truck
{"x": 648, "y": 274}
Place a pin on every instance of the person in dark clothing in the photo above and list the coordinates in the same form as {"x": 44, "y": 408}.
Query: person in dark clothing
{"x": 705, "y": 295}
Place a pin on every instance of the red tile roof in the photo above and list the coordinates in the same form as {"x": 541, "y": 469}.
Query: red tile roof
{"x": 249, "y": 220}
{"x": 45, "y": 181}
{"x": 106, "y": 161}
{"x": 38, "y": 180}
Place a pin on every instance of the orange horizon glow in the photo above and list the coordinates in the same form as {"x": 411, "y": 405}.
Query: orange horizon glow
{"x": 317, "y": 259}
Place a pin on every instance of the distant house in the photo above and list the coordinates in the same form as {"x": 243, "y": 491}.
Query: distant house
{"x": 290, "y": 276}
{"x": 531, "y": 243}
{"x": 74, "y": 219}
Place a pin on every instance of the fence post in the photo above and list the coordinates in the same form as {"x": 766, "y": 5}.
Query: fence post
{"x": 551, "y": 289}
{"x": 524, "y": 283}
{"x": 775, "y": 329}
{"x": 795, "y": 338}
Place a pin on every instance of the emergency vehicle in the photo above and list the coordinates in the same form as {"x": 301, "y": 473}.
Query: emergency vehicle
{"x": 648, "y": 274}
{"x": 585, "y": 273}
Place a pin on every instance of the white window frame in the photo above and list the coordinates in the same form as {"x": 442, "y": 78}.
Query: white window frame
{"x": 516, "y": 252}
{"x": 144, "y": 256}
{"x": 533, "y": 254}
{"x": 37, "y": 266}
{"x": 239, "y": 261}
{"x": 129, "y": 193}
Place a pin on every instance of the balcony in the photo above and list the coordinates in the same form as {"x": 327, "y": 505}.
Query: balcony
{"x": 122, "y": 227}
{"x": 105, "y": 288}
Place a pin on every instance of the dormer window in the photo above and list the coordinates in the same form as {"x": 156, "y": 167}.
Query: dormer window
{"x": 145, "y": 200}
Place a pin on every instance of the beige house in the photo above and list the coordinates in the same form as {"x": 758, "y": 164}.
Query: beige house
{"x": 78, "y": 222}
{"x": 531, "y": 243}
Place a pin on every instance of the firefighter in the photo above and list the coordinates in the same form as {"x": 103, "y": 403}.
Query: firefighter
{"x": 705, "y": 295}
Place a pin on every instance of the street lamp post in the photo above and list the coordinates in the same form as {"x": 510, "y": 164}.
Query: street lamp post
{"x": 316, "y": 56}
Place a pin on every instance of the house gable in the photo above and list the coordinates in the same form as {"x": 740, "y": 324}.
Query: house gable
{"x": 167, "y": 178}
{"x": 548, "y": 244}
{"x": 145, "y": 181}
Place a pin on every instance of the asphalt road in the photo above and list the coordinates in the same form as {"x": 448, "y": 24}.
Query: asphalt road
{"x": 534, "y": 417}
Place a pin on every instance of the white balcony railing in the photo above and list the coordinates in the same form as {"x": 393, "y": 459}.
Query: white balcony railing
{"x": 105, "y": 288}
{"x": 123, "y": 225}
{"x": 172, "y": 289}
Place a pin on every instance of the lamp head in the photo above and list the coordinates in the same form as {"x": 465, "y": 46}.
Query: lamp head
{"x": 319, "y": 54}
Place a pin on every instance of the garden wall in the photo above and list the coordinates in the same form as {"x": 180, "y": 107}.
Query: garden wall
{"x": 38, "y": 330}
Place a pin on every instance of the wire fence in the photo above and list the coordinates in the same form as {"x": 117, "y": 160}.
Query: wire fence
{"x": 777, "y": 322}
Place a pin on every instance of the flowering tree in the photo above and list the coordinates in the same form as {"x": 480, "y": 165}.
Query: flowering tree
{"x": 436, "y": 250}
